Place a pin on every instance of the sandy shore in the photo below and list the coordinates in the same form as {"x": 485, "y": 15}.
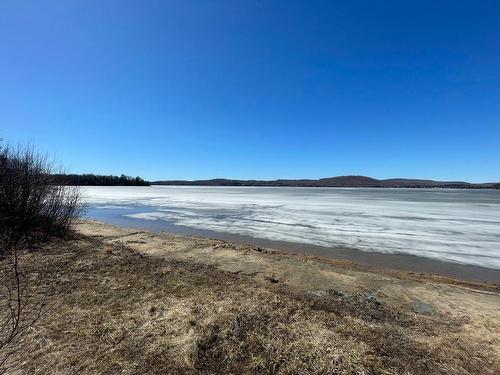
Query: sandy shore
{"x": 315, "y": 274}
{"x": 144, "y": 302}
{"x": 291, "y": 267}
{"x": 374, "y": 260}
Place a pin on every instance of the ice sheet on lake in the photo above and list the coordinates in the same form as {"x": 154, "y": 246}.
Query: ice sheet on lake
{"x": 454, "y": 225}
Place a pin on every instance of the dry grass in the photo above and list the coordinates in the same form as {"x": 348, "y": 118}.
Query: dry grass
{"x": 116, "y": 311}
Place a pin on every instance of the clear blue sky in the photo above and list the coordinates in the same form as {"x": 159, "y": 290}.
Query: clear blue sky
{"x": 255, "y": 89}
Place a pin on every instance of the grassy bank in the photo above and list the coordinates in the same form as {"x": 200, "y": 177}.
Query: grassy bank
{"x": 113, "y": 309}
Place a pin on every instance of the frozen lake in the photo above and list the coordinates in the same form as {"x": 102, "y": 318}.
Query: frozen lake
{"x": 461, "y": 226}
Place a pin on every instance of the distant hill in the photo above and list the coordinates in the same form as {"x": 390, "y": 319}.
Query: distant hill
{"x": 339, "y": 181}
{"x": 496, "y": 186}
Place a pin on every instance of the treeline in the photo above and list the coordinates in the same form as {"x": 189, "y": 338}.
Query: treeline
{"x": 497, "y": 186}
{"x": 97, "y": 180}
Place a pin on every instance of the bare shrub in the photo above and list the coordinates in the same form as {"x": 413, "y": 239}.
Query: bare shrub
{"x": 32, "y": 207}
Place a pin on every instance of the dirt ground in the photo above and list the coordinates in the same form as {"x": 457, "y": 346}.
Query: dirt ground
{"x": 126, "y": 301}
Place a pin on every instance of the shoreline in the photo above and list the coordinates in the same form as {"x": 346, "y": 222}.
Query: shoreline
{"x": 374, "y": 261}
{"x": 298, "y": 270}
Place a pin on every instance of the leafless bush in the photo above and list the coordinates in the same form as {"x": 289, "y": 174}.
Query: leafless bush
{"x": 31, "y": 206}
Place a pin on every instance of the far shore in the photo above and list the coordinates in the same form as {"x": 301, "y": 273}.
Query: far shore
{"x": 338, "y": 181}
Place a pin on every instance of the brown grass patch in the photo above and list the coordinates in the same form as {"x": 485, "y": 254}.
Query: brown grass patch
{"x": 126, "y": 313}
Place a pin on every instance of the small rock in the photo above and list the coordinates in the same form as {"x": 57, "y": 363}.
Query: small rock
{"x": 272, "y": 279}
{"x": 337, "y": 293}
{"x": 373, "y": 297}
{"x": 422, "y": 308}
